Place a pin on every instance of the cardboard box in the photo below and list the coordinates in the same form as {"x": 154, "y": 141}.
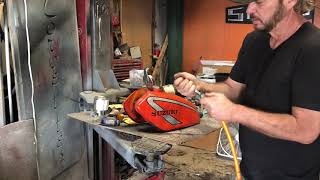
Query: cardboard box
{"x": 135, "y": 52}
{"x": 216, "y": 66}
{"x": 209, "y": 70}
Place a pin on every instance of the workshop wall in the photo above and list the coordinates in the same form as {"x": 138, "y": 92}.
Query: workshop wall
{"x": 136, "y": 26}
{"x": 206, "y": 34}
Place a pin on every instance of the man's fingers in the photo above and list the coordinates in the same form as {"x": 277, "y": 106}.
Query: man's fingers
{"x": 184, "y": 75}
{"x": 210, "y": 94}
{"x": 178, "y": 81}
{"x": 190, "y": 91}
{"x": 184, "y": 83}
{"x": 180, "y": 74}
{"x": 188, "y": 85}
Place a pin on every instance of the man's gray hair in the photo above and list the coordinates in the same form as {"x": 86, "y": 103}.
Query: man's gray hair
{"x": 304, "y": 6}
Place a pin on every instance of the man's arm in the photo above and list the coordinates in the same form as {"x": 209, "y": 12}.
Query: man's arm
{"x": 302, "y": 126}
{"x": 186, "y": 84}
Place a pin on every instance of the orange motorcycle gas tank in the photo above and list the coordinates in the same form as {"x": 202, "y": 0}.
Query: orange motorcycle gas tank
{"x": 129, "y": 103}
{"x": 167, "y": 111}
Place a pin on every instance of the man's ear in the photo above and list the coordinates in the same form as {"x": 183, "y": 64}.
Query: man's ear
{"x": 290, "y": 3}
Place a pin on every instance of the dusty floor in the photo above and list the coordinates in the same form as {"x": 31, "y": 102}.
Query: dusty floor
{"x": 185, "y": 163}
{"x": 196, "y": 160}
{"x": 189, "y": 163}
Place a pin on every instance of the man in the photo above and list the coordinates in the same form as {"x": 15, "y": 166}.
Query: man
{"x": 273, "y": 92}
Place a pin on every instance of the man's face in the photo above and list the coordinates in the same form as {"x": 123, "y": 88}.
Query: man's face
{"x": 266, "y": 14}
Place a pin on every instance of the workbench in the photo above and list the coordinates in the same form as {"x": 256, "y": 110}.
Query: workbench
{"x": 150, "y": 150}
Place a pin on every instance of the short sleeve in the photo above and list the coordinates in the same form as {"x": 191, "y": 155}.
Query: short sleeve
{"x": 239, "y": 69}
{"x": 306, "y": 79}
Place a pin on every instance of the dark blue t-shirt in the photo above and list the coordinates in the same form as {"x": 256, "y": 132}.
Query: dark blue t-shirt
{"x": 276, "y": 80}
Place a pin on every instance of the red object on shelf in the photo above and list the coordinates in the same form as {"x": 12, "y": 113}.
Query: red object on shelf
{"x": 115, "y": 21}
{"x": 156, "y": 52}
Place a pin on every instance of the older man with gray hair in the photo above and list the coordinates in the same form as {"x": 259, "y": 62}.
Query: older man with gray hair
{"x": 273, "y": 92}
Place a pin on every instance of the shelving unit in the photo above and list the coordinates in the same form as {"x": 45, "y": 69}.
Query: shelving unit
{"x": 121, "y": 67}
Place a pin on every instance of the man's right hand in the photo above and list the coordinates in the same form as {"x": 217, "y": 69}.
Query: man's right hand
{"x": 186, "y": 83}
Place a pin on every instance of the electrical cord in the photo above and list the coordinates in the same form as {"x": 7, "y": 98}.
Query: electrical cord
{"x": 32, "y": 85}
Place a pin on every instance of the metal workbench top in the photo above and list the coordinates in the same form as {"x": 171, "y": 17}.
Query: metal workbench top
{"x": 206, "y": 126}
{"x": 180, "y": 162}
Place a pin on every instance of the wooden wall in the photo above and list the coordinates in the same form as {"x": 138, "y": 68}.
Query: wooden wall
{"x": 136, "y": 24}
{"x": 206, "y": 34}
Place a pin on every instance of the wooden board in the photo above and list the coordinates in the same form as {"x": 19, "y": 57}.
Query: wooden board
{"x": 161, "y": 56}
{"x": 136, "y": 24}
{"x": 207, "y": 142}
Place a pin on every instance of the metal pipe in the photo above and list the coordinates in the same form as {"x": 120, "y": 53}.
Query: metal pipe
{"x": 93, "y": 35}
{"x": 6, "y": 41}
{"x": 2, "y": 107}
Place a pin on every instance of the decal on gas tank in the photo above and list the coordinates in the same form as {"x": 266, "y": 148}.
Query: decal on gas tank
{"x": 166, "y": 114}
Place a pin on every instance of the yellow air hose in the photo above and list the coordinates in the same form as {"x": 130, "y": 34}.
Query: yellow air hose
{"x": 234, "y": 154}
{"x": 235, "y": 159}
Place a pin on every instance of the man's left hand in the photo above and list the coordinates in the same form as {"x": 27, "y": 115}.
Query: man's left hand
{"x": 218, "y": 106}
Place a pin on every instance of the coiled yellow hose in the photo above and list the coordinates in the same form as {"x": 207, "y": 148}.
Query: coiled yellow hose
{"x": 234, "y": 154}
{"x": 235, "y": 159}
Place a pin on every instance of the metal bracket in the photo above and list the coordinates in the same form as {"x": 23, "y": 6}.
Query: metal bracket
{"x": 141, "y": 153}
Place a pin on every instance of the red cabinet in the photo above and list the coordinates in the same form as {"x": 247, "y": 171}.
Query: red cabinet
{"x": 121, "y": 67}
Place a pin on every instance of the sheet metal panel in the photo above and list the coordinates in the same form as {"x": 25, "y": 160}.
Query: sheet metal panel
{"x": 2, "y": 107}
{"x": 17, "y": 151}
{"x": 56, "y": 73}
{"x": 8, "y": 70}
{"x": 19, "y": 54}
{"x": 101, "y": 38}
{"x": 102, "y": 52}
